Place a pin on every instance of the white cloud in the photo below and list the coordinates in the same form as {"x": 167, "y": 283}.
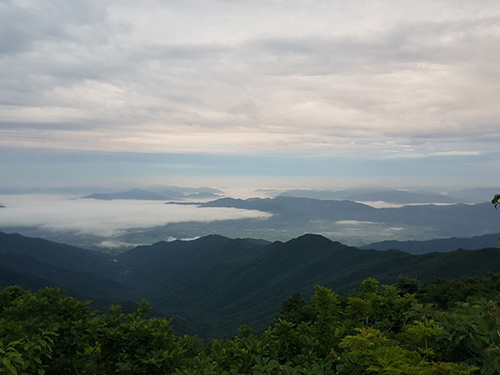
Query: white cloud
{"x": 116, "y": 245}
{"x": 355, "y": 222}
{"x": 457, "y": 153}
{"x": 105, "y": 218}
{"x": 171, "y": 239}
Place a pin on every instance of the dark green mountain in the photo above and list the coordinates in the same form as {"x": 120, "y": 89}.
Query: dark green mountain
{"x": 223, "y": 283}
{"x": 35, "y": 263}
{"x": 81, "y": 271}
{"x": 217, "y": 283}
{"x": 437, "y": 245}
{"x": 57, "y": 254}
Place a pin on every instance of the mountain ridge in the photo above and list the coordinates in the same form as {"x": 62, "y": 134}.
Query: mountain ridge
{"x": 437, "y": 245}
{"x": 218, "y": 283}
{"x": 174, "y": 193}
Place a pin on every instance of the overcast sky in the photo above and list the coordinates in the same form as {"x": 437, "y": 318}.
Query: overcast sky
{"x": 195, "y": 91}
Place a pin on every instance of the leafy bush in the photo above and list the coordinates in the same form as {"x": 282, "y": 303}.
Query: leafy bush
{"x": 375, "y": 330}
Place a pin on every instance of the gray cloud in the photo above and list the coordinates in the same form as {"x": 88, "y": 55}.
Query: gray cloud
{"x": 26, "y": 25}
{"x": 247, "y": 77}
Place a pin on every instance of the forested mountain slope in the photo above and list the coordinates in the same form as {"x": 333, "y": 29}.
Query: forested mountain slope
{"x": 217, "y": 283}
{"x": 38, "y": 263}
{"x": 57, "y": 254}
{"x": 437, "y": 245}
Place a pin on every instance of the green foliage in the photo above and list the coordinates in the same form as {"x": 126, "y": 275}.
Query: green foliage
{"x": 26, "y": 356}
{"x": 496, "y": 200}
{"x": 375, "y": 330}
{"x": 445, "y": 293}
{"x": 370, "y": 352}
{"x": 10, "y": 358}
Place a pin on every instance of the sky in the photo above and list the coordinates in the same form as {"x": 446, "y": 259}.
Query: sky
{"x": 270, "y": 93}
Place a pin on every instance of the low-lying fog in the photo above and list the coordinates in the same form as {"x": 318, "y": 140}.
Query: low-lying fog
{"x": 106, "y": 218}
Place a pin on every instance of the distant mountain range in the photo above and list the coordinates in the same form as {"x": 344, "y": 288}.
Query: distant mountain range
{"x": 402, "y": 197}
{"x": 116, "y": 188}
{"x": 437, "y": 245}
{"x": 477, "y": 195}
{"x": 349, "y": 222}
{"x": 346, "y": 221}
{"x": 373, "y": 195}
{"x": 336, "y": 216}
{"x": 136, "y": 194}
{"x": 139, "y": 194}
{"x": 217, "y": 283}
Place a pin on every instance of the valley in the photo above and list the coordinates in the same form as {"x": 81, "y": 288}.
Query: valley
{"x": 216, "y": 283}
{"x": 119, "y": 221}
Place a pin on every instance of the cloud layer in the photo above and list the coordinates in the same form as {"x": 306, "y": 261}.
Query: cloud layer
{"x": 105, "y": 218}
{"x": 388, "y": 79}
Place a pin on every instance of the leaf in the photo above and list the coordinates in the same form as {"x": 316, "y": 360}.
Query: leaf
{"x": 496, "y": 200}
{"x": 9, "y": 367}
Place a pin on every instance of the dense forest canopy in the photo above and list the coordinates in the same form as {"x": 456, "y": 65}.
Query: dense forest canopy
{"x": 448, "y": 326}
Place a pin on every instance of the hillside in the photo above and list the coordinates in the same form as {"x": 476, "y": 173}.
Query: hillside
{"x": 437, "y": 245}
{"x": 45, "y": 263}
{"x": 217, "y": 283}
{"x": 224, "y": 283}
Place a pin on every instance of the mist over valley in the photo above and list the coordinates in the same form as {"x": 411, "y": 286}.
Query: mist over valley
{"x": 120, "y": 220}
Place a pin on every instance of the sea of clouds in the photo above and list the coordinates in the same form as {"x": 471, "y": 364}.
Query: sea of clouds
{"x": 106, "y": 218}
